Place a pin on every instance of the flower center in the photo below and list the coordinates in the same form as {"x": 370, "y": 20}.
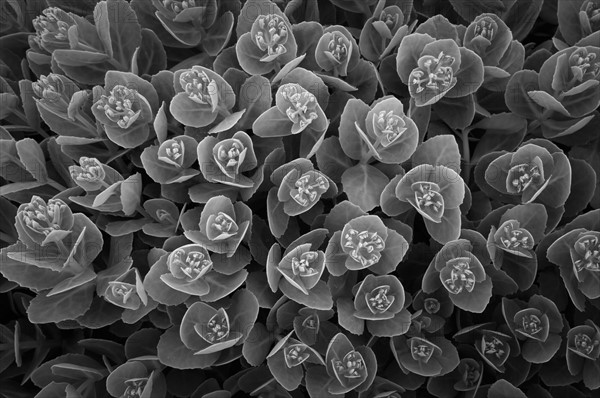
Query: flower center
{"x": 585, "y": 344}
{"x": 522, "y": 176}
{"x": 217, "y": 327}
{"x": 135, "y": 387}
{"x": 486, "y": 28}
{"x": 350, "y": 366}
{"x": 378, "y": 301}
{"x": 583, "y": 65}
{"x": 431, "y": 305}
{"x": 472, "y": 374}
{"x": 429, "y": 200}
{"x": 295, "y": 354}
{"x": 48, "y": 87}
{"x": 302, "y": 104}
{"x": 338, "y": 46}
{"x": 515, "y": 239}
{"x": 164, "y": 216}
{"x": 435, "y": 73}
{"x": 461, "y": 277}
{"x": 271, "y": 35}
{"x": 390, "y": 19}
{"x": 492, "y": 346}
{"x": 193, "y": 264}
{"x": 49, "y": 25}
{"x": 199, "y": 87}
{"x": 230, "y": 155}
{"x": 42, "y": 217}
{"x": 388, "y": 126}
{"x": 308, "y": 188}
{"x": 171, "y": 152}
{"x": 365, "y": 247}
{"x": 224, "y": 223}
{"x": 118, "y": 106}
{"x": 311, "y": 322}
{"x": 531, "y": 324}
{"x": 178, "y": 6}
{"x": 421, "y": 349}
{"x": 302, "y": 266}
{"x": 592, "y": 10}
{"x": 589, "y": 254}
{"x": 90, "y": 170}
{"x": 121, "y": 290}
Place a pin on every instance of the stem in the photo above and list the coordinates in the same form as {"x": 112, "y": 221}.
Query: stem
{"x": 467, "y": 155}
{"x": 143, "y": 212}
{"x": 56, "y": 185}
{"x": 22, "y": 116}
{"x": 372, "y": 341}
{"x": 19, "y": 128}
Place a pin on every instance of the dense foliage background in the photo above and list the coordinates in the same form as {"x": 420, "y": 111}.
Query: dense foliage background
{"x": 275, "y": 198}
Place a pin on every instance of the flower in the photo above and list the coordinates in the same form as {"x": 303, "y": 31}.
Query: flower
{"x": 224, "y": 161}
{"x": 135, "y": 379}
{"x": 348, "y": 367}
{"x": 336, "y": 51}
{"x": 187, "y": 266}
{"x": 39, "y": 222}
{"x": 583, "y": 351}
{"x": 222, "y": 225}
{"x": 382, "y": 32}
{"x": 127, "y": 291}
{"x": 537, "y": 324}
{"x": 51, "y": 29}
{"x": 435, "y": 192}
{"x": 424, "y": 357}
{"x": 171, "y": 162}
{"x": 93, "y": 175}
{"x": 578, "y": 20}
{"x": 365, "y": 242}
{"x": 201, "y": 96}
{"x": 268, "y": 44}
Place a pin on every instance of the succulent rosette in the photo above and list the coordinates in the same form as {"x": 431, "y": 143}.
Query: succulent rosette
{"x": 381, "y": 131}
{"x": 125, "y": 108}
{"x": 435, "y": 192}
{"x": 537, "y": 324}
{"x": 431, "y": 310}
{"x": 296, "y": 110}
{"x": 267, "y": 42}
{"x": 433, "y": 69}
{"x": 171, "y": 161}
{"x": 225, "y": 161}
{"x": 495, "y": 347}
{"x": 222, "y": 226}
{"x": 187, "y": 267}
{"x": 579, "y": 21}
{"x": 424, "y": 356}
{"x": 464, "y": 379}
{"x": 93, "y": 175}
{"x": 201, "y": 96}
{"x": 166, "y": 218}
{"x": 136, "y": 379}
{"x": 193, "y": 22}
{"x": 530, "y": 174}
{"x": 126, "y": 291}
{"x": 563, "y": 96}
{"x": 490, "y": 38}
{"x": 336, "y": 51}
{"x": 365, "y": 242}
{"x": 461, "y": 274}
{"x": 298, "y": 188}
{"x": 383, "y": 31}
{"x": 286, "y": 358}
{"x": 577, "y": 254}
{"x": 209, "y": 333}
{"x": 349, "y": 368}
{"x": 583, "y": 351}
{"x": 380, "y": 302}
{"x": 511, "y": 242}
{"x": 297, "y": 272}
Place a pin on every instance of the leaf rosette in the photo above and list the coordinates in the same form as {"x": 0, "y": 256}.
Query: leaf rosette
{"x": 187, "y": 266}
{"x": 462, "y": 276}
{"x": 578, "y": 20}
{"x": 577, "y": 253}
{"x": 432, "y": 69}
{"x": 201, "y": 96}
{"x": 381, "y": 131}
{"x": 380, "y": 301}
{"x": 349, "y": 368}
{"x": 537, "y": 324}
{"x": 531, "y": 174}
{"x": 225, "y": 161}
{"x": 212, "y": 332}
{"x": 337, "y": 51}
{"x": 435, "y": 192}
{"x": 297, "y": 272}
{"x": 583, "y": 351}
{"x": 269, "y": 43}
{"x": 171, "y": 161}
{"x": 126, "y": 291}
{"x": 286, "y": 358}
{"x": 51, "y": 29}
{"x": 93, "y": 175}
{"x": 494, "y": 347}
{"x": 383, "y": 31}
{"x": 223, "y": 225}
{"x": 40, "y": 223}
{"x": 431, "y": 310}
{"x": 124, "y": 110}
{"x": 424, "y": 357}
{"x": 135, "y": 379}
{"x": 365, "y": 242}
{"x": 296, "y": 110}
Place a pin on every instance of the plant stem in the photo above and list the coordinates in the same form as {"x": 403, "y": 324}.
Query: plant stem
{"x": 56, "y": 185}
{"x": 466, "y": 155}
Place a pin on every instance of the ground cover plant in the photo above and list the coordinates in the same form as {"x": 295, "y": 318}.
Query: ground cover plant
{"x": 299, "y": 198}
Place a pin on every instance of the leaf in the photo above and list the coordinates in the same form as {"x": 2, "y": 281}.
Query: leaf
{"x": 468, "y": 10}
{"x": 61, "y": 307}
{"x": 32, "y": 157}
{"x": 131, "y": 190}
{"x": 257, "y": 345}
{"x": 441, "y": 150}
{"x": 363, "y": 185}
{"x": 172, "y": 352}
